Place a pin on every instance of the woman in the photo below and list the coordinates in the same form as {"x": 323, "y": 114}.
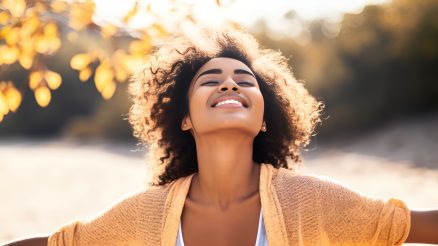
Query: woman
{"x": 226, "y": 121}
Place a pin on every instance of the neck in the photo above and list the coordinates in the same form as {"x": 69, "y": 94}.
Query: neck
{"x": 227, "y": 173}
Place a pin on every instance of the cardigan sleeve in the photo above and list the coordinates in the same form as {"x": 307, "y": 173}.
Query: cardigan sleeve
{"x": 116, "y": 225}
{"x": 349, "y": 217}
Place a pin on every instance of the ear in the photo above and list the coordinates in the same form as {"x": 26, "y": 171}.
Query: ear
{"x": 186, "y": 124}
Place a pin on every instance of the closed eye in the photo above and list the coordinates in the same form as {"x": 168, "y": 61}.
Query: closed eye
{"x": 210, "y": 83}
{"x": 246, "y": 83}
{"x": 242, "y": 83}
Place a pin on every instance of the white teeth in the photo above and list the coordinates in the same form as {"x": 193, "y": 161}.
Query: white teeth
{"x": 230, "y": 101}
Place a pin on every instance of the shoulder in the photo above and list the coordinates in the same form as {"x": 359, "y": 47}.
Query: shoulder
{"x": 150, "y": 195}
{"x": 287, "y": 177}
{"x": 307, "y": 184}
{"x": 139, "y": 200}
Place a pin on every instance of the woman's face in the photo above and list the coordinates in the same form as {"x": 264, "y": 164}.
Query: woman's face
{"x": 224, "y": 95}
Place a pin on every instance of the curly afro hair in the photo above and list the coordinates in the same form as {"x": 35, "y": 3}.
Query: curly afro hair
{"x": 159, "y": 91}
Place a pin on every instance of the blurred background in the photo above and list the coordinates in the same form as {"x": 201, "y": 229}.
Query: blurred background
{"x": 67, "y": 152}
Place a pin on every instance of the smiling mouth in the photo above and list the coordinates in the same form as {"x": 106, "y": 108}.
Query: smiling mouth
{"x": 229, "y": 103}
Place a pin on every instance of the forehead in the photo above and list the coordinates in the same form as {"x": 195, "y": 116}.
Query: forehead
{"x": 223, "y": 63}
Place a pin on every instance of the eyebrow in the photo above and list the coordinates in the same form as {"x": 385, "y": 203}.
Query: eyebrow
{"x": 219, "y": 71}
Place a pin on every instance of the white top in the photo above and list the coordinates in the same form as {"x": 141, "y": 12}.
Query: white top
{"x": 261, "y": 240}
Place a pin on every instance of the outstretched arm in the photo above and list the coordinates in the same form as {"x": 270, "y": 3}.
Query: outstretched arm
{"x": 35, "y": 241}
{"x": 424, "y": 227}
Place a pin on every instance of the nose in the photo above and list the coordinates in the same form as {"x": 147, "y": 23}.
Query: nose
{"x": 229, "y": 84}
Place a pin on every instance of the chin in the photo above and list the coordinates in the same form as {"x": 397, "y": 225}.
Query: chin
{"x": 232, "y": 129}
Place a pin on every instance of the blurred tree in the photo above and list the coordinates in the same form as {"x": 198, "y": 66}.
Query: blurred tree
{"x": 33, "y": 31}
{"x": 390, "y": 61}
{"x": 379, "y": 67}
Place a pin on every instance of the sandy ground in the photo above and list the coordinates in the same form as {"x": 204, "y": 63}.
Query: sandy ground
{"x": 46, "y": 184}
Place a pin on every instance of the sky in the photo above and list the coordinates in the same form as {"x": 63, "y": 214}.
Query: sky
{"x": 244, "y": 12}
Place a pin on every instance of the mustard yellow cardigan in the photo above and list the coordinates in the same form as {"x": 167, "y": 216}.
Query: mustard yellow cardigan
{"x": 297, "y": 210}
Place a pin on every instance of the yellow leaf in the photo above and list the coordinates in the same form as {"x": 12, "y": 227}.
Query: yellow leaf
{"x": 12, "y": 36}
{"x": 43, "y": 96}
{"x": 140, "y": 47}
{"x": 81, "y": 14}
{"x": 16, "y": 7}
{"x": 26, "y": 60}
{"x": 104, "y": 76}
{"x": 30, "y": 25}
{"x": 120, "y": 69}
{"x": 85, "y": 74}
{"x": 35, "y": 79}
{"x": 4, "y": 109}
{"x": 51, "y": 30}
{"x": 28, "y": 45}
{"x": 41, "y": 44}
{"x": 135, "y": 47}
{"x": 53, "y": 79}
{"x": 108, "y": 30}
{"x": 4, "y": 18}
{"x": 8, "y": 54}
{"x": 47, "y": 44}
{"x": 121, "y": 74}
{"x": 1, "y": 117}
{"x": 131, "y": 13}
{"x": 80, "y": 61}
{"x": 13, "y": 98}
{"x": 109, "y": 90}
{"x": 4, "y": 31}
{"x": 59, "y": 6}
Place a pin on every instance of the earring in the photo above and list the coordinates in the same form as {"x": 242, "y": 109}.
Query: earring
{"x": 264, "y": 127}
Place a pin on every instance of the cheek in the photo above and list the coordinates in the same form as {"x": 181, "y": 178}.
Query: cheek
{"x": 258, "y": 102}
{"x": 198, "y": 100}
